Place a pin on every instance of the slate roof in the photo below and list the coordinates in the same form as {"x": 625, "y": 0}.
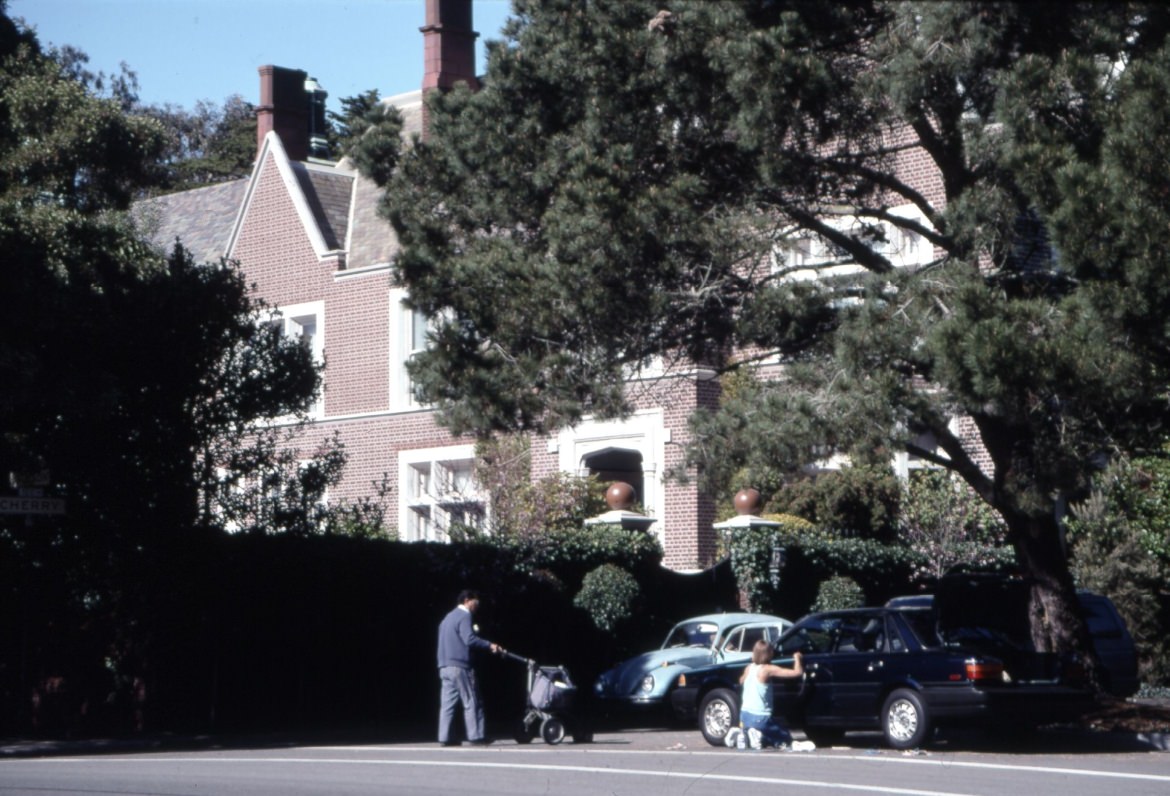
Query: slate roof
{"x": 329, "y": 193}
{"x": 201, "y": 218}
{"x": 343, "y": 204}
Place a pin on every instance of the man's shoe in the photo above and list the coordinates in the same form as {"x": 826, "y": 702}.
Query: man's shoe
{"x": 448, "y": 743}
{"x": 480, "y": 742}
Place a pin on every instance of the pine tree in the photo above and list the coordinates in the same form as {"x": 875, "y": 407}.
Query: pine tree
{"x": 633, "y": 183}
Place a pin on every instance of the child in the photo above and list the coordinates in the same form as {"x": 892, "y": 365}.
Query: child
{"x": 756, "y": 712}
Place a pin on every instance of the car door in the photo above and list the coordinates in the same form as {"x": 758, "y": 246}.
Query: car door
{"x": 813, "y": 638}
{"x": 850, "y": 679}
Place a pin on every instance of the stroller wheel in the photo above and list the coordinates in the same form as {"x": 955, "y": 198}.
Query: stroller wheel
{"x": 552, "y": 730}
{"x": 523, "y": 733}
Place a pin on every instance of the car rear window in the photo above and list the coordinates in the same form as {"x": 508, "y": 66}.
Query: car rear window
{"x": 925, "y": 627}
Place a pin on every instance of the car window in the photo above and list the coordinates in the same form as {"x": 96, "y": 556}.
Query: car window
{"x": 773, "y": 633}
{"x": 924, "y": 627}
{"x": 860, "y": 633}
{"x": 692, "y": 634}
{"x": 750, "y": 636}
{"x": 813, "y": 635}
{"x": 734, "y": 641}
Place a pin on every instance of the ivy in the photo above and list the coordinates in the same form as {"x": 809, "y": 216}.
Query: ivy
{"x": 810, "y": 557}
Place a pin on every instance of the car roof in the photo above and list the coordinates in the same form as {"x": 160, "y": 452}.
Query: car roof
{"x": 732, "y": 618}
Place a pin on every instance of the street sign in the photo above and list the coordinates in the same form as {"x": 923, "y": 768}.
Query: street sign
{"x": 11, "y": 504}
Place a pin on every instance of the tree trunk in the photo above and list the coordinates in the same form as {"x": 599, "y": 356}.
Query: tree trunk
{"x": 1058, "y": 625}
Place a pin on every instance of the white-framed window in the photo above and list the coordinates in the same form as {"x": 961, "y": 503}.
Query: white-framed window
{"x": 438, "y": 493}
{"x": 809, "y": 256}
{"x": 306, "y": 323}
{"x": 408, "y": 337}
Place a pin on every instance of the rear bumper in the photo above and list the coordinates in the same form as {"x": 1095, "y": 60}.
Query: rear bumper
{"x": 1032, "y": 705}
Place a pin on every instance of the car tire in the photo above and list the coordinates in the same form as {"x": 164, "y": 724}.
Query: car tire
{"x": 718, "y": 713}
{"x": 552, "y": 730}
{"x": 905, "y": 721}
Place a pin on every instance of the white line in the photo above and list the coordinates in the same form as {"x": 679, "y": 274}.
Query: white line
{"x": 946, "y": 763}
{"x": 949, "y": 763}
{"x": 913, "y": 761}
{"x": 631, "y": 772}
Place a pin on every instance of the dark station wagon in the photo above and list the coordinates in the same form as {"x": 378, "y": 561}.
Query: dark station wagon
{"x": 895, "y": 670}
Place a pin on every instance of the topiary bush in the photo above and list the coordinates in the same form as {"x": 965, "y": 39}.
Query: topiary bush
{"x": 839, "y": 591}
{"x": 608, "y": 594}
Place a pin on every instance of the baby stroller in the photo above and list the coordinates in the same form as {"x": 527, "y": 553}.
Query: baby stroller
{"x": 548, "y": 708}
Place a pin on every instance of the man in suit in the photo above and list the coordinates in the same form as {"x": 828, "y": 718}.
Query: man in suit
{"x": 457, "y": 637}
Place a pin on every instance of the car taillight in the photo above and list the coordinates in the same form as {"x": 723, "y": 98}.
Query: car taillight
{"x": 984, "y": 671}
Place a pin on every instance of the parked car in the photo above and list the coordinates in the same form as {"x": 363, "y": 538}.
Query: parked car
{"x": 1008, "y": 600}
{"x": 643, "y": 681}
{"x": 890, "y": 669}
{"x": 1113, "y": 644}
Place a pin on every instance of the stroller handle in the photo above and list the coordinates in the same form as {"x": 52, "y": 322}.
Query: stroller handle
{"x": 515, "y": 657}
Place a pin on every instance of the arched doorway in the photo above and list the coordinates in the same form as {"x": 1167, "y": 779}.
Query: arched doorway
{"x": 617, "y": 464}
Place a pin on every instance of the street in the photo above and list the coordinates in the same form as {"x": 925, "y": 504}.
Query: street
{"x": 623, "y": 762}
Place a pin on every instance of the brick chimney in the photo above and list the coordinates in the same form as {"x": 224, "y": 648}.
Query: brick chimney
{"x": 448, "y": 48}
{"x": 284, "y": 108}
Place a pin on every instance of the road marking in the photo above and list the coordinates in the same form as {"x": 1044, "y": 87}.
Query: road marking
{"x": 794, "y": 756}
{"x": 630, "y": 772}
{"x": 948, "y": 763}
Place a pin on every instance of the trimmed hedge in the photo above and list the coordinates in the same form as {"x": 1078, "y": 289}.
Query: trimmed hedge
{"x": 267, "y": 633}
{"x": 811, "y": 557}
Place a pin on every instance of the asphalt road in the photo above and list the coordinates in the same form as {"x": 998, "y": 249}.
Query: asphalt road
{"x": 623, "y": 762}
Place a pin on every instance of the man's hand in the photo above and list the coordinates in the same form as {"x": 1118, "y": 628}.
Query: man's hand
{"x": 496, "y": 649}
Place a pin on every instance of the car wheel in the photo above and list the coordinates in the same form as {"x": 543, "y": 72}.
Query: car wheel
{"x": 552, "y": 730}
{"x": 905, "y": 722}
{"x": 718, "y": 713}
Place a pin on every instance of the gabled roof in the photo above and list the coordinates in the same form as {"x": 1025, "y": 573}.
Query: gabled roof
{"x": 337, "y": 207}
{"x": 317, "y": 210}
{"x": 329, "y": 194}
{"x": 200, "y": 218}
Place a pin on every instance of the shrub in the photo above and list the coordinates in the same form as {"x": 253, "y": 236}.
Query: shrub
{"x": 838, "y": 592}
{"x": 608, "y": 594}
{"x": 947, "y": 525}
{"x": 855, "y": 501}
{"x": 1120, "y": 538}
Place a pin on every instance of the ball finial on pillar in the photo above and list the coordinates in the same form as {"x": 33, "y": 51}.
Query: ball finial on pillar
{"x": 747, "y": 501}
{"x": 620, "y": 496}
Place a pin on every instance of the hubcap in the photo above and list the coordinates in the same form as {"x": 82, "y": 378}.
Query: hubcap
{"x": 717, "y": 719}
{"x": 903, "y": 720}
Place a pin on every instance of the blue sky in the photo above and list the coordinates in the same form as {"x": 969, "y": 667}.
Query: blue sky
{"x": 188, "y": 50}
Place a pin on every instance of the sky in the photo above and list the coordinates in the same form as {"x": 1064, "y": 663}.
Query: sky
{"x": 189, "y": 50}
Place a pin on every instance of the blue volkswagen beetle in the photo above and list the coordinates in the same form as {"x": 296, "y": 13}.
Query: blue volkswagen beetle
{"x": 644, "y": 680}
